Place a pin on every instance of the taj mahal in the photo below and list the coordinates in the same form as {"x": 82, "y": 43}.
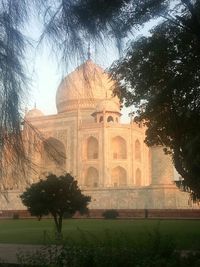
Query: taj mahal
{"x": 109, "y": 159}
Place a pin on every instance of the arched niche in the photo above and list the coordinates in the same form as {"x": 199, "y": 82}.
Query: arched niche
{"x": 92, "y": 148}
{"x": 92, "y": 177}
{"x": 101, "y": 119}
{"x": 54, "y": 154}
{"x": 110, "y": 119}
{"x": 118, "y": 177}
{"x": 119, "y": 148}
{"x": 137, "y": 150}
{"x": 138, "y": 177}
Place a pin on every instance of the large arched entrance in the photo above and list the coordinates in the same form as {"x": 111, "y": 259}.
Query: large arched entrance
{"x": 137, "y": 150}
{"x": 54, "y": 155}
{"x": 92, "y": 148}
{"x": 119, "y": 148}
{"x": 118, "y": 177}
{"x": 92, "y": 177}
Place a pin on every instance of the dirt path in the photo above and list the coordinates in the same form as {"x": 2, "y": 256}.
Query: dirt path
{"x": 8, "y": 252}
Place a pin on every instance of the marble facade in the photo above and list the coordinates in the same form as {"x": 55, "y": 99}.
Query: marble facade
{"x": 86, "y": 138}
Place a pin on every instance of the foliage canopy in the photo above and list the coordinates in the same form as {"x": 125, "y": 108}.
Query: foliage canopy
{"x": 161, "y": 74}
{"x": 55, "y": 196}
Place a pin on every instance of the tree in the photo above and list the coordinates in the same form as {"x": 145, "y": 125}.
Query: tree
{"x": 161, "y": 74}
{"x": 69, "y": 24}
{"x": 12, "y": 82}
{"x": 55, "y": 196}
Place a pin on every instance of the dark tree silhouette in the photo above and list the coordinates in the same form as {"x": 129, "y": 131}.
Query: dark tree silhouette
{"x": 55, "y": 196}
{"x": 161, "y": 74}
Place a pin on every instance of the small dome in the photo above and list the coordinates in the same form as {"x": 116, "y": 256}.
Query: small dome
{"x": 34, "y": 113}
{"x": 84, "y": 88}
{"x": 107, "y": 105}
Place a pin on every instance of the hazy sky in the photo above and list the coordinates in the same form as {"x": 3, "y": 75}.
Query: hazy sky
{"x": 46, "y": 75}
{"x": 46, "y": 72}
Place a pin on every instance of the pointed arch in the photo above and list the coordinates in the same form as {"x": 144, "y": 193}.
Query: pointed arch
{"x": 101, "y": 119}
{"x": 54, "y": 154}
{"x": 118, "y": 176}
{"x": 110, "y": 119}
{"x": 92, "y": 148}
{"x": 92, "y": 177}
{"x": 138, "y": 177}
{"x": 119, "y": 150}
{"x": 137, "y": 150}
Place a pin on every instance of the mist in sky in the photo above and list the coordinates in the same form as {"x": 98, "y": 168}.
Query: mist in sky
{"x": 46, "y": 71}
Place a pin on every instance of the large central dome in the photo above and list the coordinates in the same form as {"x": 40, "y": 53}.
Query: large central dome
{"x": 84, "y": 88}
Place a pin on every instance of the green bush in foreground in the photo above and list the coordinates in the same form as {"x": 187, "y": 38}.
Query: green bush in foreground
{"x": 15, "y": 216}
{"x": 110, "y": 214}
{"x": 116, "y": 250}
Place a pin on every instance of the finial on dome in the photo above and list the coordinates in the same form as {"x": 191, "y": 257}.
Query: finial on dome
{"x": 89, "y": 52}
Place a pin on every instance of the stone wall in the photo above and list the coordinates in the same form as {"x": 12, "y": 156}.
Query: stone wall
{"x": 149, "y": 197}
{"x": 123, "y": 214}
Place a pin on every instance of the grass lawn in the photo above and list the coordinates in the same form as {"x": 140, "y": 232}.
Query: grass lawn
{"x": 185, "y": 233}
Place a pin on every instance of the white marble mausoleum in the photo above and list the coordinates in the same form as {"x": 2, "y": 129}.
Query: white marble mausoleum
{"x": 108, "y": 158}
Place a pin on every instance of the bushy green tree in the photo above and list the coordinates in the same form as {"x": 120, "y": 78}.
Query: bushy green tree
{"x": 161, "y": 75}
{"x": 110, "y": 214}
{"x": 55, "y": 196}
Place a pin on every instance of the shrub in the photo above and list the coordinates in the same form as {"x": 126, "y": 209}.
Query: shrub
{"x": 55, "y": 195}
{"x": 115, "y": 250}
{"x": 15, "y": 216}
{"x": 110, "y": 214}
{"x": 67, "y": 215}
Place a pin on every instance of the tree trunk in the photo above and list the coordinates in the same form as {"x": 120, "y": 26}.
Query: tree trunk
{"x": 58, "y": 223}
